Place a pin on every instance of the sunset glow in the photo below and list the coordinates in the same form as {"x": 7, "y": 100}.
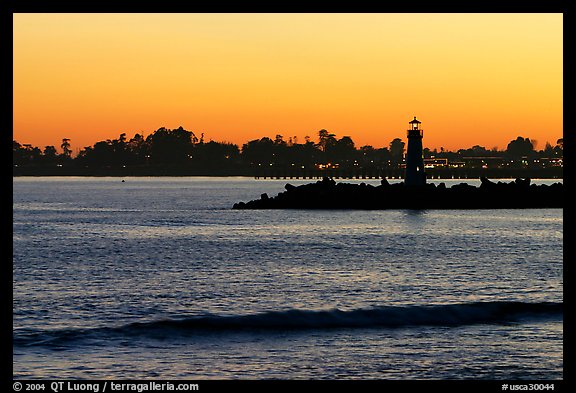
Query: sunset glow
{"x": 472, "y": 79}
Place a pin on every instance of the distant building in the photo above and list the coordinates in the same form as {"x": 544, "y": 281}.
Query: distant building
{"x": 435, "y": 162}
{"x": 550, "y": 162}
{"x": 484, "y": 162}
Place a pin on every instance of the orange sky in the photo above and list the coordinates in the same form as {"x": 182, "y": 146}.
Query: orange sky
{"x": 470, "y": 78}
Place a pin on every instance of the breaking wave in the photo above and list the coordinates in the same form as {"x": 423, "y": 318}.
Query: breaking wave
{"x": 388, "y": 317}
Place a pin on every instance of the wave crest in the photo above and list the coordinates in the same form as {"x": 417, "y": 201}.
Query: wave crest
{"x": 377, "y": 317}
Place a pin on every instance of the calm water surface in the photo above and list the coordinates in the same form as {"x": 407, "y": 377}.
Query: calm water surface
{"x": 160, "y": 278}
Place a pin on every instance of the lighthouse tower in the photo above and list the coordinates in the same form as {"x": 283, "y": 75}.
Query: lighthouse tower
{"x": 415, "y": 175}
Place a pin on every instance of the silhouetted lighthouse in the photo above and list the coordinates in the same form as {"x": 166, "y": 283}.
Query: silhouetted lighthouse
{"x": 415, "y": 175}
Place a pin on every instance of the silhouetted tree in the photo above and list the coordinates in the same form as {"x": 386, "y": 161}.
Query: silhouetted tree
{"x": 25, "y": 154}
{"x": 559, "y": 148}
{"x": 520, "y": 147}
{"x": 279, "y": 140}
{"x": 108, "y": 153}
{"x": 369, "y": 157}
{"x": 259, "y": 151}
{"x": 50, "y": 155}
{"x": 474, "y": 151}
{"x": 182, "y": 148}
{"x": 548, "y": 151}
{"x": 138, "y": 149}
{"x": 215, "y": 155}
{"x": 304, "y": 154}
{"x": 19, "y": 154}
{"x": 325, "y": 140}
{"x": 50, "y": 152}
{"x": 66, "y": 151}
{"x": 171, "y": 146}
{"x": 342, "y": 151}
{"x": 397, "y": 151}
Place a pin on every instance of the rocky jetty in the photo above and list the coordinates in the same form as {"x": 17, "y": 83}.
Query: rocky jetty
{"x": 327, "y": 194}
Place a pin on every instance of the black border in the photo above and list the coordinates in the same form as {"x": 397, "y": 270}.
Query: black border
{"x": 292, "y": 6}
{"x": 8, "y": 7}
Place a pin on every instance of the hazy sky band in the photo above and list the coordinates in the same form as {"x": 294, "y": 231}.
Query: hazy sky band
{"x": 471, "y": 78}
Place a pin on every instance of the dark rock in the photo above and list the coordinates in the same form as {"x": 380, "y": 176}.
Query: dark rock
{"x": 522, "y": 182}
{"x": 486, "y": 184}
{"x": 326, "y": 194}
{"x": 327, "y": 181}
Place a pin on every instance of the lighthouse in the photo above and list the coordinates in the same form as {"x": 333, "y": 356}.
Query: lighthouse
{"x": 415, "y": 175}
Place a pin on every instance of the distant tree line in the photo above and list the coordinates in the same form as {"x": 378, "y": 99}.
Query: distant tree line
{"x": 180, "y": 148}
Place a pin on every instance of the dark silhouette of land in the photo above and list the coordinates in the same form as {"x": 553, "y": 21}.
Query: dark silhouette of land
{"x": 180, "y": 152}
{"x": 327, "y": 194}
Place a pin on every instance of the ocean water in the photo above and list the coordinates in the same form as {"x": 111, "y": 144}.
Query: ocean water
{"x": 160, "y": 278}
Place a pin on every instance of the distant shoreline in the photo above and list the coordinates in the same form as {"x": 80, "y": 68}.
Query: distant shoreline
{"x": 468, "y": 173}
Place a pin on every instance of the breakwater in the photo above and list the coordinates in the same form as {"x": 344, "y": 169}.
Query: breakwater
{"x": 329, "y": 194}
